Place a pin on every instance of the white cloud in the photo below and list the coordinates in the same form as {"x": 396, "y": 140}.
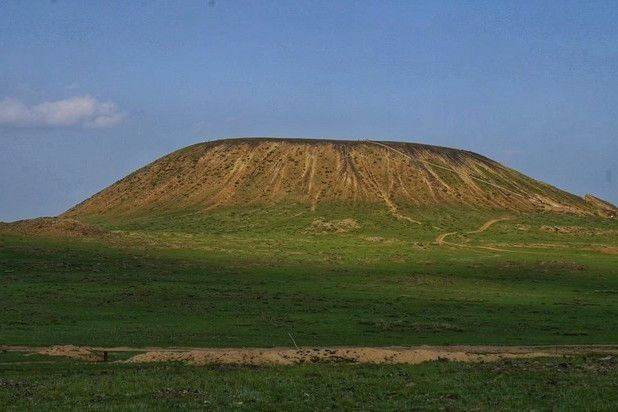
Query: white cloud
{"x": 78, "y": 111}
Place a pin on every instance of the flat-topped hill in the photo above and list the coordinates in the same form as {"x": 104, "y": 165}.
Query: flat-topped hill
{"x": 266, "y": 171}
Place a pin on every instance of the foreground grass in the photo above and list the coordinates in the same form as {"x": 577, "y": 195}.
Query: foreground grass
{"x": 545, "y": 384}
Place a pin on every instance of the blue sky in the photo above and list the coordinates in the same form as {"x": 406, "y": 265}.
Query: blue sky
{"x": 90, "y": 91}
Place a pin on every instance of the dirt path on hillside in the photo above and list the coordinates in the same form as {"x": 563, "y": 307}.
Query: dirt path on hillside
{"x": 291, "y": 356}
{"x": 441, "y": 238}
{"x": 488, "y": 224}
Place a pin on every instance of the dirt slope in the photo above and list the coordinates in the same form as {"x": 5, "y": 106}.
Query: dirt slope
{"x": 53, "y": 227}
{"x": 261, "y": 171}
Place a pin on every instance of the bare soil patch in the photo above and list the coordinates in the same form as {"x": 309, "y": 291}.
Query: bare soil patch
{"x": 292, "y": 356}
{"x": 74, "y": 352}
{"x": 281, "y": 356}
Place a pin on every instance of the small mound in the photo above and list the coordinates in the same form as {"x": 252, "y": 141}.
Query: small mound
{"x": 54, "y": 227}
{"x": 73, "y": 352}
{"x": 334, "y": 226}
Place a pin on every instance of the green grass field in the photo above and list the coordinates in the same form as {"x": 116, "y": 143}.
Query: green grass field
{"x": 222, "y": 282}
{"x": 253, "y": 277}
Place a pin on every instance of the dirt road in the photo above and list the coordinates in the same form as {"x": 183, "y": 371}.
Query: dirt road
{"x": 441, "y": 239}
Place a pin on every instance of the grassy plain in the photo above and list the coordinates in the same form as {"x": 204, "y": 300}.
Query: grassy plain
{"x": 248, "y": 278}
{"x": 253, "y": 277}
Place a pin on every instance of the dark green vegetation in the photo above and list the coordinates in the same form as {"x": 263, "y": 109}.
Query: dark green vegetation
{"x": 580, "y": 383}
{"x": 248, "y": 277}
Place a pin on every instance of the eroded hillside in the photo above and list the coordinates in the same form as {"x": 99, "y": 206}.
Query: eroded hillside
{"x": 242, "y": 172}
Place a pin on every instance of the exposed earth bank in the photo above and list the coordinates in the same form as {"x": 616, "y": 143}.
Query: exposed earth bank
{"x": 291, "y": 356}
